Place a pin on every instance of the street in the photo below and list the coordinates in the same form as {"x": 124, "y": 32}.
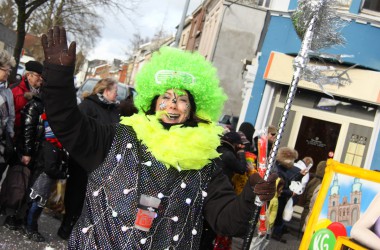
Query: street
{"x": 48, "y": 226}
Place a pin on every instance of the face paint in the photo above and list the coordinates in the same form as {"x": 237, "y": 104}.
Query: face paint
{"x": 174, "y": 99}
{"x": 162, "y": 105}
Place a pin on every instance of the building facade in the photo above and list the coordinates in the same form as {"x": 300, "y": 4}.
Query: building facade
{"x": 344, "y": 127}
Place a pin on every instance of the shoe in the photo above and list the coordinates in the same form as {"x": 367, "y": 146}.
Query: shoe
{"x": 278, "y": 238}
{"x": 63, "y": 233}
{"x": 33, "y": 235}
{"x": 285, "y": 230}
{"x": 12, "y": 223}
{"x": 66, "y": 227}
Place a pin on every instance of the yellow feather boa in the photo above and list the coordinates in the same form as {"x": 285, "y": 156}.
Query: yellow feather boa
{"x": 187, "y": 148}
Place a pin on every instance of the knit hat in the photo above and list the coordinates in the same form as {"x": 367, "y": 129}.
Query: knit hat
{"x": 286, "y": 156}
{"x": 243, "y": 138}
{"x": 320, "y": 171}
{"x": 34, "y": 66}
{"x": 171, "y": 68}
{"x": 248, "y": 129}
{"x": 232, "y": 137}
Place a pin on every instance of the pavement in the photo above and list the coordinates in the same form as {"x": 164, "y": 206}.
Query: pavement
{"x": 48, "y": 226}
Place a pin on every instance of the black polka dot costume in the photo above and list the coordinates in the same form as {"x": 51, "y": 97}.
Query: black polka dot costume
{"x": 109, "y": 214}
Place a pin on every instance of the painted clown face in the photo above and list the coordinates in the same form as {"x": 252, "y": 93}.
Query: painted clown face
{"x": 176, "y": 106}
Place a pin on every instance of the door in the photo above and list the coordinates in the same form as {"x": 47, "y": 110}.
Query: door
{"x": 317, "y": 138}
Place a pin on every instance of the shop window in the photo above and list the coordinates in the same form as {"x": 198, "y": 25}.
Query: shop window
{"x": 373, "y": 5}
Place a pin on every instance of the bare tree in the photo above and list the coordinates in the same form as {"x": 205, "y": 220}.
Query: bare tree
{"x": 78, "y": 16}
{"x": 8, "y": 13}
{"x": 134, "y": 44}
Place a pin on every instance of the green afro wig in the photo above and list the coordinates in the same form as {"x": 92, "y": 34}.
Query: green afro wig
{"x": 171, "y": 68}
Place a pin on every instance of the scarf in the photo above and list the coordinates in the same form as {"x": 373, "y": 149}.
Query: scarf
{"x": 184, "y": 148}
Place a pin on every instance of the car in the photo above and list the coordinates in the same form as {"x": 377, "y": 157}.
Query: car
{"x": 123, "y": 91}
{"x": 20, "y": 71}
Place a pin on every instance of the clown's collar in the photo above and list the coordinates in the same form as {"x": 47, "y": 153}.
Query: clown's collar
{"x": 184, "y": 148}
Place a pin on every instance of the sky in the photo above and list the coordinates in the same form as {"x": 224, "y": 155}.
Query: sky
{"x": 149, "y": 17}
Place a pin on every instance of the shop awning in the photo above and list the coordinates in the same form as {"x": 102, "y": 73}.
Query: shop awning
{"x": 364, "y": 84}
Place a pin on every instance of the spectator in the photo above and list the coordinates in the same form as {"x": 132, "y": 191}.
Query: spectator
{"x": 44, "y": 154}
{"x": 23, "y": 91}
{"x": 310, "y": 190}
{"x": 304, "y": 166}
{"x": 142, "y": 156}
{"x": 271, "y": 135}
{"x": 7, "y": 115}
{"x": 284, "y": 163}
{"x": 248, "y": 130}
{"x": 232, "y": 158}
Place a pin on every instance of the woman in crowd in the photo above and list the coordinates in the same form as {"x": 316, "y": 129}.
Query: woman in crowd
{"x": 151, "y": 178}
{"x": 284, "y": 163}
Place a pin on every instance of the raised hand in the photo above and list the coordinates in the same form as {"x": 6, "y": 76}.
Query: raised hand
{"x": 55, "y": 47}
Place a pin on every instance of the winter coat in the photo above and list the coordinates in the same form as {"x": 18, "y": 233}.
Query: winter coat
{"x": 100, "y": 110}
{"x": 7, "y": 111}
{"x": 33, "y": 130}
{"x": 311, "y": 187}
{"x": 7, "y": 119}
{"x": 20, "y": 101}
{"x": 121, "y": 167}
{"x": 231, "y": 161}
{"x": 313, "y": 183}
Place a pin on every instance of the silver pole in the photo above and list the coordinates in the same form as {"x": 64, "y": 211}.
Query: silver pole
{"x": 181, "y": 24}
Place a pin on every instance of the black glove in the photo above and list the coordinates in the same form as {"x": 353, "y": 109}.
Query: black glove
{"x": 55, "y": 47}
{"x": 264, "y": 189}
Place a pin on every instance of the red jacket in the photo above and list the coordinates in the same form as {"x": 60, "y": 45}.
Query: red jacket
{"x": 19, "y": 99}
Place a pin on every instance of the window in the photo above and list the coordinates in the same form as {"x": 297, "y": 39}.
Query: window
{"x": 344, "y": 3}
{"x": 263, "y": 3}
{"x": 373, "y": 5}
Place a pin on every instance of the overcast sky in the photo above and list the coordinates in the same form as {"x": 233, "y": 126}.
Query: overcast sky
{"x": 152, "y": 14}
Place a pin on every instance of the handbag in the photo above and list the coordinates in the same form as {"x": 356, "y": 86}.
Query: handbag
{"x": 288, "y": 211}
{"x": 14, "y": 187}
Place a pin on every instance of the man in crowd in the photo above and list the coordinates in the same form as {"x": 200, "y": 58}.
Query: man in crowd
{"x": 23, "y": 92}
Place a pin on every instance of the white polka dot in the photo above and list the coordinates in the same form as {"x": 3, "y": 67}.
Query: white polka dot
{"x": 129, "y": 145}
{"x": 126, "y": 191}
{"x": 118, "y": 157}
{"x": 183, "y": 185}
{"x": 84, "y": 230}
{"x": 160, "y": 195}
{"x": 175, "y": 218}
{"x": 176, "y": 237}
{"x": 114, "y": 214}
{"x": 95, "y": 193}
{"x": 148, "y": 163}
{"x": 124, "y": 228}
{"x": 204, "y": 193}
{"x": 143, "y": 241}
{"x": 194, "y": 232}
{"x": 188, "y": 201}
